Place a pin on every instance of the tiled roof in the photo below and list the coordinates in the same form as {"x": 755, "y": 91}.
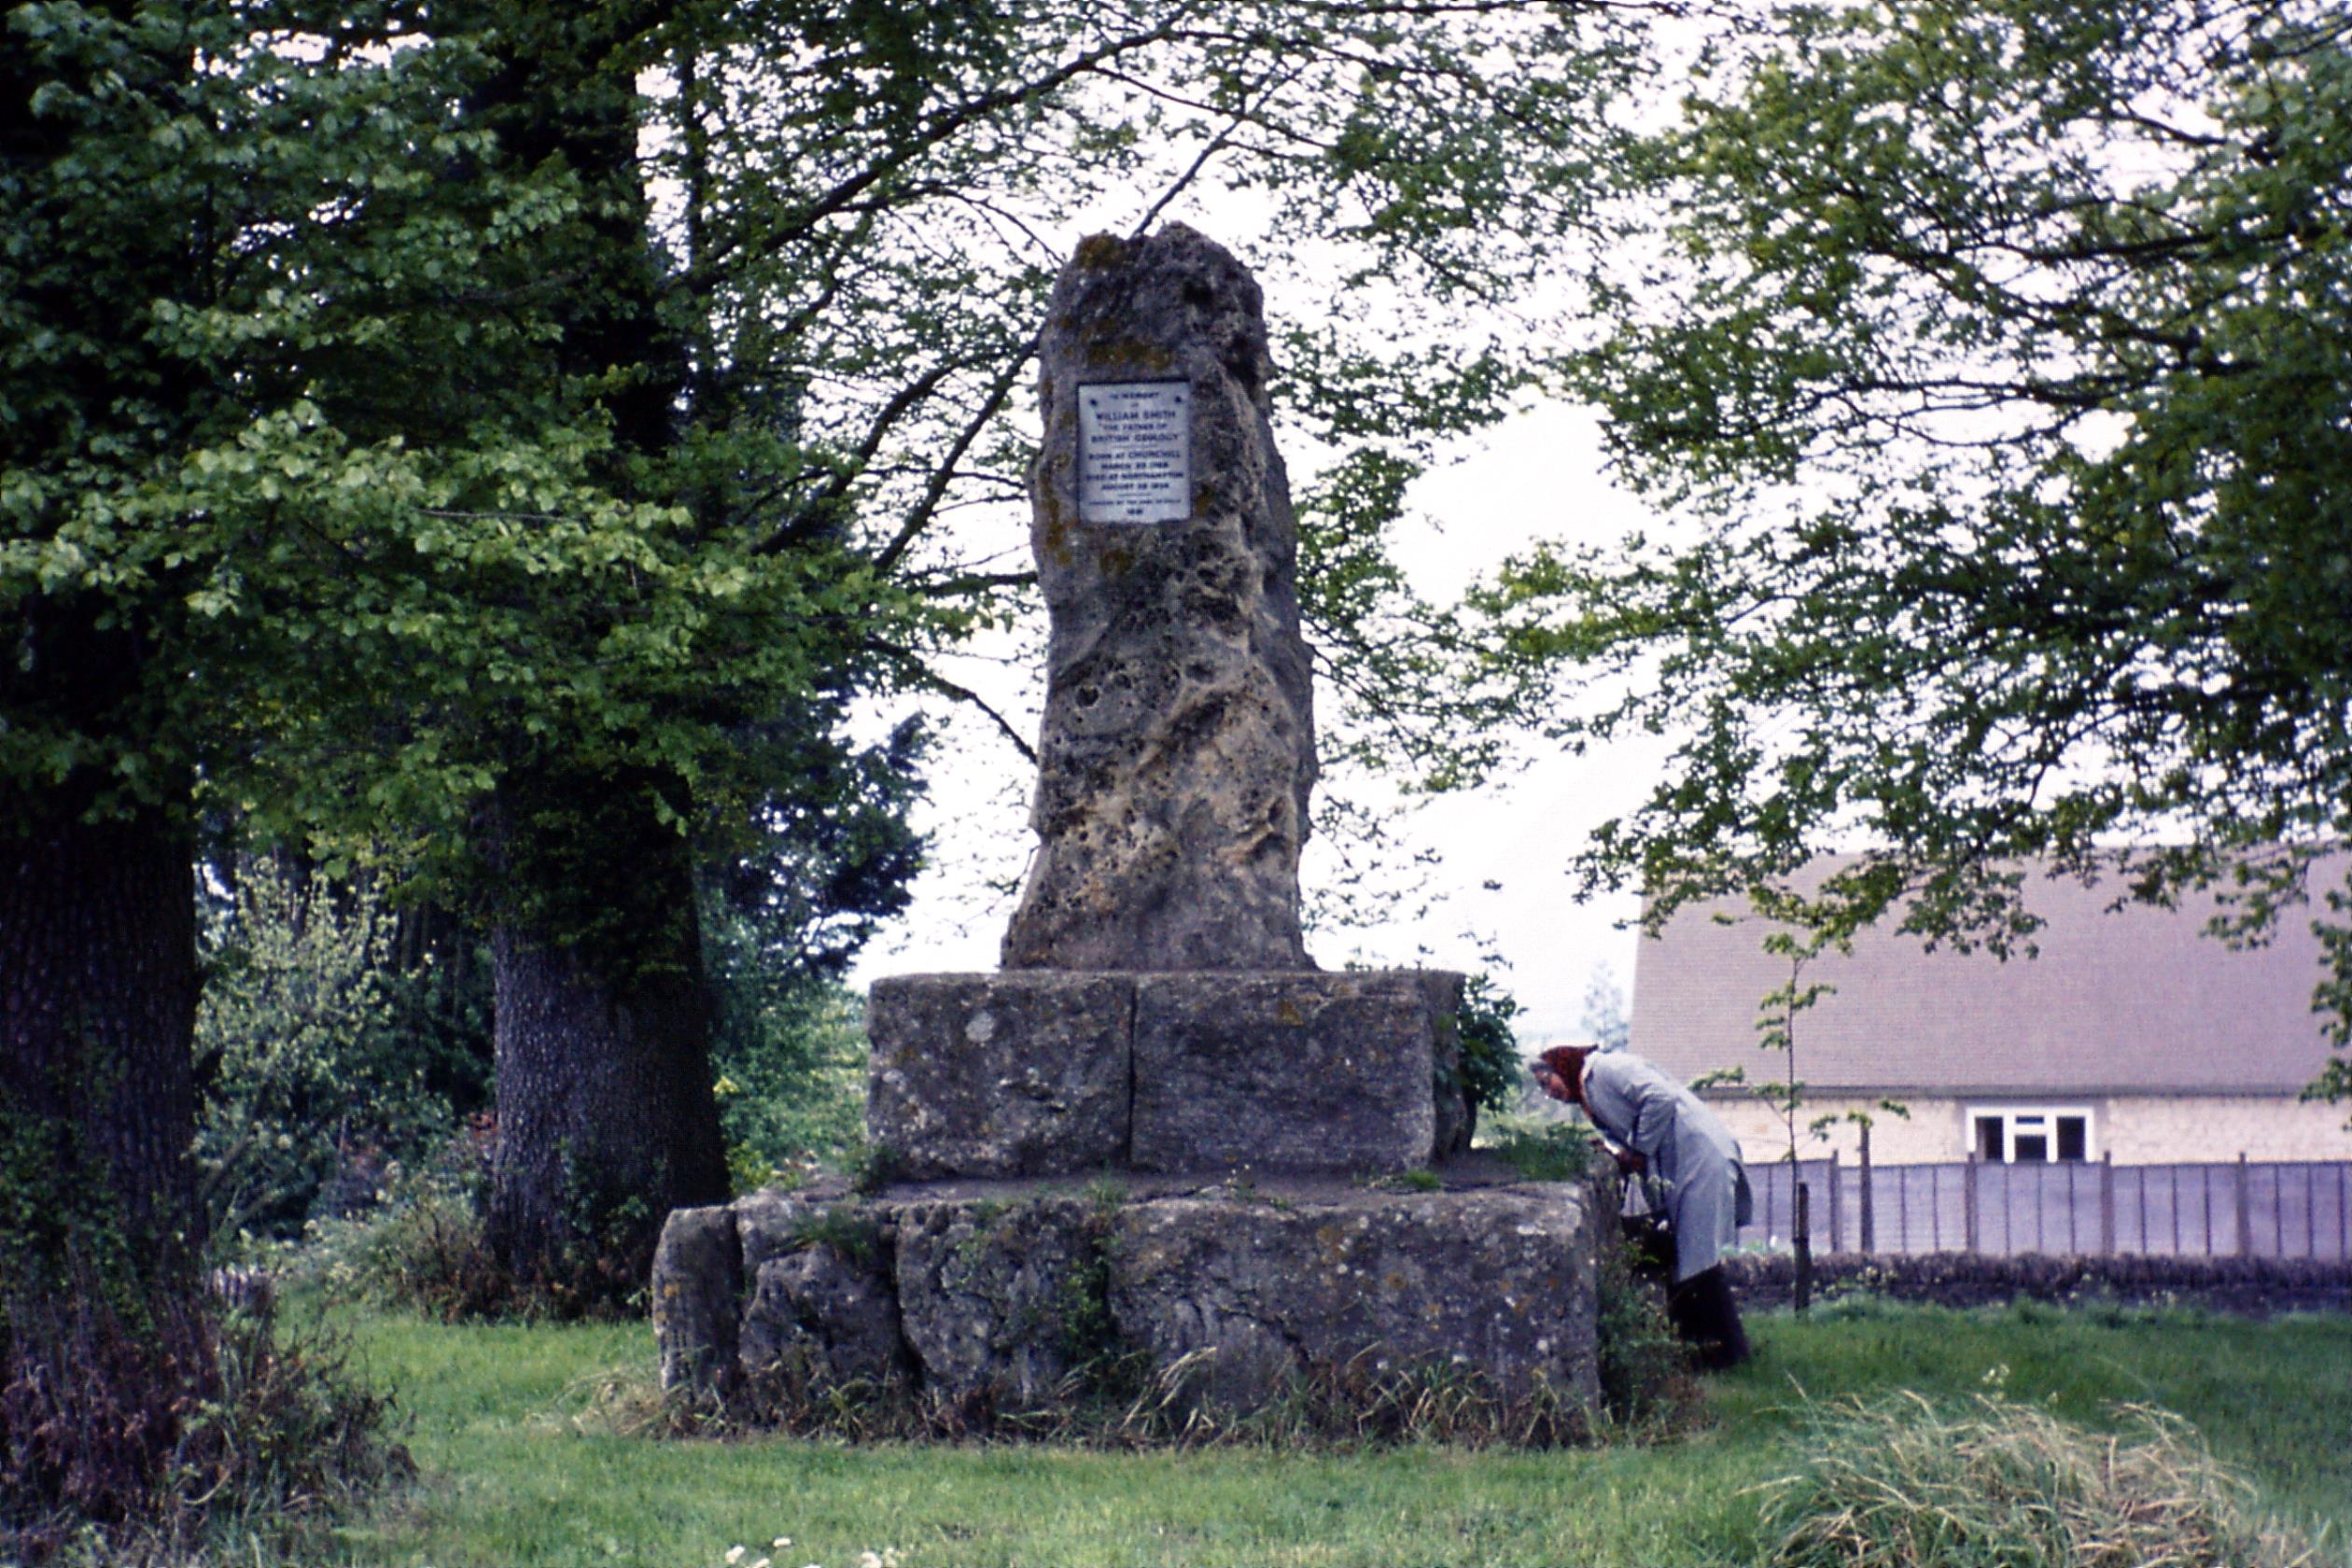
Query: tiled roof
{"x": 2135, "y": 999}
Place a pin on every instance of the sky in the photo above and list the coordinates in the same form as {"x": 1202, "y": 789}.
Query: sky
{"x": 1501, "y": 885}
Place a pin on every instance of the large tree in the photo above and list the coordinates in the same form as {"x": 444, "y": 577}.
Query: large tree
{"x": 142, "y": 152}
{"x": 1998, "y": 355}
{"x": 329, "y": 412}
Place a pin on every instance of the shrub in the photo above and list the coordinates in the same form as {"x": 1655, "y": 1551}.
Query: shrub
{"x": 1543, "y": 1151}
{"x": 421, "y": 1248}
{"x": 1491, "y": 1076}
{"x": 138, "y": 1432}
{"x": 1902, "y": 1483}
{"x": 791, "y": 1061}
{"x": 1645, "y": 1368}
{"x": 307, "y": 1068}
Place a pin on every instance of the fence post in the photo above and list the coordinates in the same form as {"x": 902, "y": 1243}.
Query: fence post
{"x": 2106, "y": 1203}
{"x": 1803, "y": 1239}
{"x": 2074, "y": 1226}
{"x": 2244, "y": 1229}
{"x": 1837, "y": 1231}
{"x": 1969, "y": 1204}
{"x": 1869, "y": 1216}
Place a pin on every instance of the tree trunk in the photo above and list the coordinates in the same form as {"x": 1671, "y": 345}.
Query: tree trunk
{"x": 97, "y": 1022}
{"x": 607, "y": 1119}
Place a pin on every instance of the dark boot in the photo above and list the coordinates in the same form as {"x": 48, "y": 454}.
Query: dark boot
{"x": 1707, "y": 1318}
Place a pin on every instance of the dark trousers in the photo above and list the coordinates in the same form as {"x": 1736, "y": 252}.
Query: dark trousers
{"x": 1708, "y": 1320}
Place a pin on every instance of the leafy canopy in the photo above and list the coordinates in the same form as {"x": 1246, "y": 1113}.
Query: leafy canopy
{"x": 1999, "y": 357}
{"x": 444, "y": 442}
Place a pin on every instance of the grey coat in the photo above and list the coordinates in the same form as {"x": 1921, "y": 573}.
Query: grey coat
{"x": 1694, "y": 1162}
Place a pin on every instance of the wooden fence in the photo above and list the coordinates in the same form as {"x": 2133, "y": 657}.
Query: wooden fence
{"x": 2295, "y": 1210}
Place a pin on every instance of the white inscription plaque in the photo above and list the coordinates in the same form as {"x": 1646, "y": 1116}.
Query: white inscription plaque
{"x": 1135, "y": 452}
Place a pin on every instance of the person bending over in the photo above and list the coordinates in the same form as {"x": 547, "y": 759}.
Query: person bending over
{"x": 1661, "y": 1132}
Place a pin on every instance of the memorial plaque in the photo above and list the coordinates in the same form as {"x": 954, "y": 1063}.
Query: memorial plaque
{"x": 1135, "y": 452}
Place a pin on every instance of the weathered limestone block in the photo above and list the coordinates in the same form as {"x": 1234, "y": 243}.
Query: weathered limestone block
{"x": 1177, "y": 744}
{"x": 772, "y": 1222}
{"x": 994, "y": 1297}
{"x": 1499, "y": 1279}
{"x": 1009, "y": 1074}
{"x": 1287, "y": 1072}
{"x": 697, "y": 1276}
{"x": 831, "y": 1316}
{"x": 989, "y": 1295}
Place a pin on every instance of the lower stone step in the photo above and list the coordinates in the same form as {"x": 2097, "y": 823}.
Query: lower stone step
{"x": 992, "y": 1295}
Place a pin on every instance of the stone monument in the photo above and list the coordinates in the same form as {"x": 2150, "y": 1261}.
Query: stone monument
{"x": 1158, "y": 1023}
{"x": 1179, "y": 737}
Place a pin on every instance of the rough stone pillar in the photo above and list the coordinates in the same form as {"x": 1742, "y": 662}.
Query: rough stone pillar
{"x": 1178, "y": 745}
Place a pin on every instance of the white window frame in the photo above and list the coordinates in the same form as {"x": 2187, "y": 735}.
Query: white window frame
{"x": 2048, "y": 1115}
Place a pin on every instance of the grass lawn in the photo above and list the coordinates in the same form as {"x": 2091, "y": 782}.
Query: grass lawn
{"x": 511, "y": 1478}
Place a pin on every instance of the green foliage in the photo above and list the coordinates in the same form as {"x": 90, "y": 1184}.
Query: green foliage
{"x": 847, "y": 1229}
{"x": 1902, "y": 1483}
{"x": 792, "y": 1078}
{"x": 1543, "y": 1149}
{"x": 307, "y": 1075}
{"x": 1490, "y": 1071}
{"x": 1994, "y": 355}
{"x": 1083, "y": 1327}
{"x": 778, "y": 926}
{"x": 1644, "y": 1366}
{"x": 420, "y": 1250}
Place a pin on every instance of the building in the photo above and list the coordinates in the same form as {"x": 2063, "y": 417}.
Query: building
{"x": 2133, "y": 1035}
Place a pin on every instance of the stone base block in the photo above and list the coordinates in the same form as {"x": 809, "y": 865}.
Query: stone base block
{"x": 1501, "y": 1283}
{"x": 1000, "y": 1074}
{"x": 830, "y": 1309}
{"x": 992, "y": 1295}
{"x": 1280, "y": 1072}
{"x": 1051, "y": 1073}
{"x": 988, "y": 1296}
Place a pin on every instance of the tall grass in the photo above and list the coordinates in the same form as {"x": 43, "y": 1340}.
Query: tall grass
{"x": 1123, "y": 1402}
{"x": 1901, "y": 1483}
